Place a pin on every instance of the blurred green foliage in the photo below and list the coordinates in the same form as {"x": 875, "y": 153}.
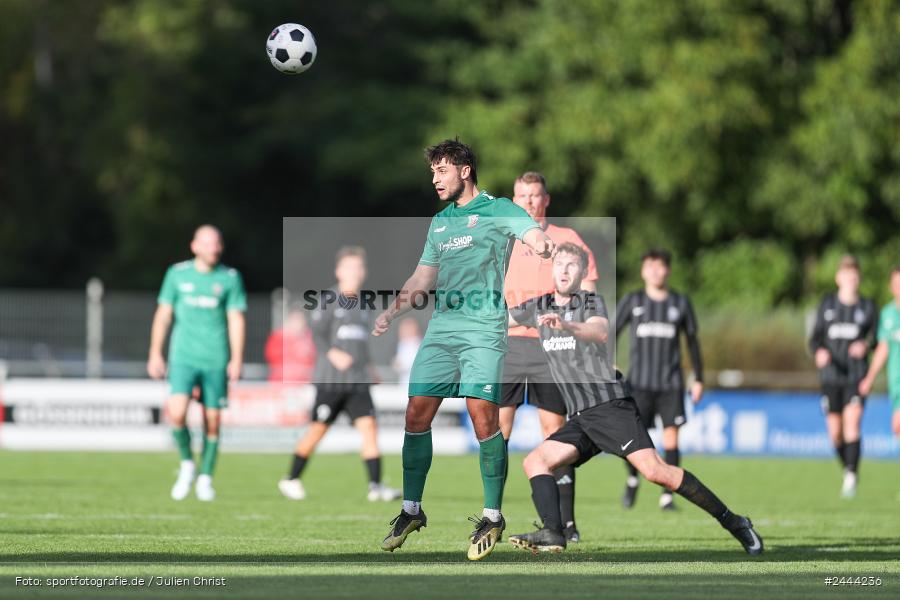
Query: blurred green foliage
{"x": 757, "y": 139}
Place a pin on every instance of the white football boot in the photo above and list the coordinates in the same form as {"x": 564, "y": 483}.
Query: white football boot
{"x": 292, "y": 489}
{"x": 204, "y": 489}
{"x": 182, "y": 485}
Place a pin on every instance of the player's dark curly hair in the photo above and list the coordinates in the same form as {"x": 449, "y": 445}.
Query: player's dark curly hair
{"x": 456, "y": 153}
{"x": 658, "y": 254}
{"x": 574, "y": 250}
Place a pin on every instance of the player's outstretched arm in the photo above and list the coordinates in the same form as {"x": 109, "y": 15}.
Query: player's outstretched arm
{"x": 420, "y": 282}
{"x": 237, "y": 335}
{"x": 162, "y": 319}
{"x": 594, "y": 329}
{"x": 539, "y": 241}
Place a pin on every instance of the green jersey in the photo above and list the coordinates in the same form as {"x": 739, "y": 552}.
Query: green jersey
{"x": 889, "y": 332}
{"x": 200, "y": 302}
{"x": 471, "y": 246}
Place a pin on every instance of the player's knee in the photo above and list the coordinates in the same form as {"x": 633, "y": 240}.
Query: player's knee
{"x": 534, "y": 463}
{"x": 655, "y": 473}
{"x": 417, "y": 421}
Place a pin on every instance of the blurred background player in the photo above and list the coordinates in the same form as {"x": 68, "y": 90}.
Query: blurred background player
{"x": 840, "y": 341}
{"x": 466, "y": 255}
{"x": 574, "y": 328}
{"x": 525, "y": 369}
{"x": 409, "y": 338}
{"x": 658, "y": 315}
{"x": 888, "y": 352}
{"x": 208, "y": 301}
{"x": 343, "y": 375}
{"x": 290, "y": 350}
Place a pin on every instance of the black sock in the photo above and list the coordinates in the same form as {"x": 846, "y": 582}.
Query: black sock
{"x": 841, "y": 451}
{"x": 545, "y": 495}
{"x": 851, "y": 455}
{"x": 632, "y": 470}
{"x": 373, "y": 466}
{"x": 673, "y": 457}
{"x": 702, "y": 496}
{"x": 297, "y": 466}
{"x": 565, "y": 482}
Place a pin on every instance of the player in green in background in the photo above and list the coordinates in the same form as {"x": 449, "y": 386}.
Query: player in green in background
{"x": 466, "y": 255}
{"x": 888, "y": 352}
{"x": 208, "y": 301}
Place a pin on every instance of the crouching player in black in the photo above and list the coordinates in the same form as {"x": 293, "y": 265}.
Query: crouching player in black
{"x": 574, "y": 328}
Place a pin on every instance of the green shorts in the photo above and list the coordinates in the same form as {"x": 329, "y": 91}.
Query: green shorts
{"x": 213, "y": 384}
{"x": 465, "y": 364}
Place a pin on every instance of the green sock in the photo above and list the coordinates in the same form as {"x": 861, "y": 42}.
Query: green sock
{"x": 493, "y": 458}
{"x": 183, "y": 440}
{"x": 417, "y": 451}
{"x": 210, "y": 453}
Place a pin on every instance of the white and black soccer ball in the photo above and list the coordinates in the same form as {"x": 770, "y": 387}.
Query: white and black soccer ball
{"x": 291, "y": 48}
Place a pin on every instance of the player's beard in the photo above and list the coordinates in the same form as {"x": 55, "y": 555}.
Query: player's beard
{"x": 454, "y": 195}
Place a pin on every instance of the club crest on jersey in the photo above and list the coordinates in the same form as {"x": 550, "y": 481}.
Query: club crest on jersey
{"x": 217, "y": 288}
{"x": 859, "y": 316}
{"x": 673, "y": 313}
{"x": 568, "y": 316}
{"x": 637, "y": 311}
{"x": 828, "y": 314}
{"x": 473, "y": 221}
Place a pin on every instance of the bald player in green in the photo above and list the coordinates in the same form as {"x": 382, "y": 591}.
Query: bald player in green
{"x": 206, "y": 300}
{"x": 464, "y": 262}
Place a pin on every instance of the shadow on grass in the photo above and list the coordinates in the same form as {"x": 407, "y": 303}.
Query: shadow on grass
{"x": 857, "y": 549}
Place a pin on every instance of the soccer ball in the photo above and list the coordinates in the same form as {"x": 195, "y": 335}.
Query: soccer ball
{"x": 291, "y": 48}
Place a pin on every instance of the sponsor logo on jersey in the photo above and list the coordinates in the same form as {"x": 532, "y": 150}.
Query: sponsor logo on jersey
{"x": 843, "y": 331}
{"x": 673, "y": 314}
{"x": 202, "y": 301}
{"x": 558, "y": 343}
{"x": 351, "y": 332}
{"x": 456, "y": 243}
{"x": 656, "y": 329}
{"x": 473, "y": 221}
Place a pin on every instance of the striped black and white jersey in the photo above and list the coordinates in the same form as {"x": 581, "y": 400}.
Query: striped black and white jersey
{"x": 582, "y": 370}
{"x": 344, "y": 324}
{"x": 655, "y": 357}
{"x": 837, "y": 326}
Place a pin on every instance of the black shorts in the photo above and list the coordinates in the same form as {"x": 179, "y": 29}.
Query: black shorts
{"x": 836, "y": 397}
{"x": 354, "y": 399}
{"x": 613, "y": 427}
{"x": 526, "y": 371}
{"x": 669, "y": 405}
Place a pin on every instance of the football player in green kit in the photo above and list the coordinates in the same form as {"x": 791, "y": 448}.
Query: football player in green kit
{"x": 465, "y": 259}
{"x": 888, "y": 352}
{"x": 208, "y": 301}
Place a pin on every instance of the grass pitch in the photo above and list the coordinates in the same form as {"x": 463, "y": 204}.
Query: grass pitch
{"x": 101, "y": 515}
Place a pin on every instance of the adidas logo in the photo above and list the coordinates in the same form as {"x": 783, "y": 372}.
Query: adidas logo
{"x": 564, "y": 480}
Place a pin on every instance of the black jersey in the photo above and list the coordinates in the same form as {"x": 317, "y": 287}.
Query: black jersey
{"x": 345, "y": 325}
{"x": 581, "y": 370}
{"x": 655, "y": 339}
{"x": 837, "y": 326}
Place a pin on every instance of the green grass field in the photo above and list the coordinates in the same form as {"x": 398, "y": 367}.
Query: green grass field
{"x": 107, "y": 515}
